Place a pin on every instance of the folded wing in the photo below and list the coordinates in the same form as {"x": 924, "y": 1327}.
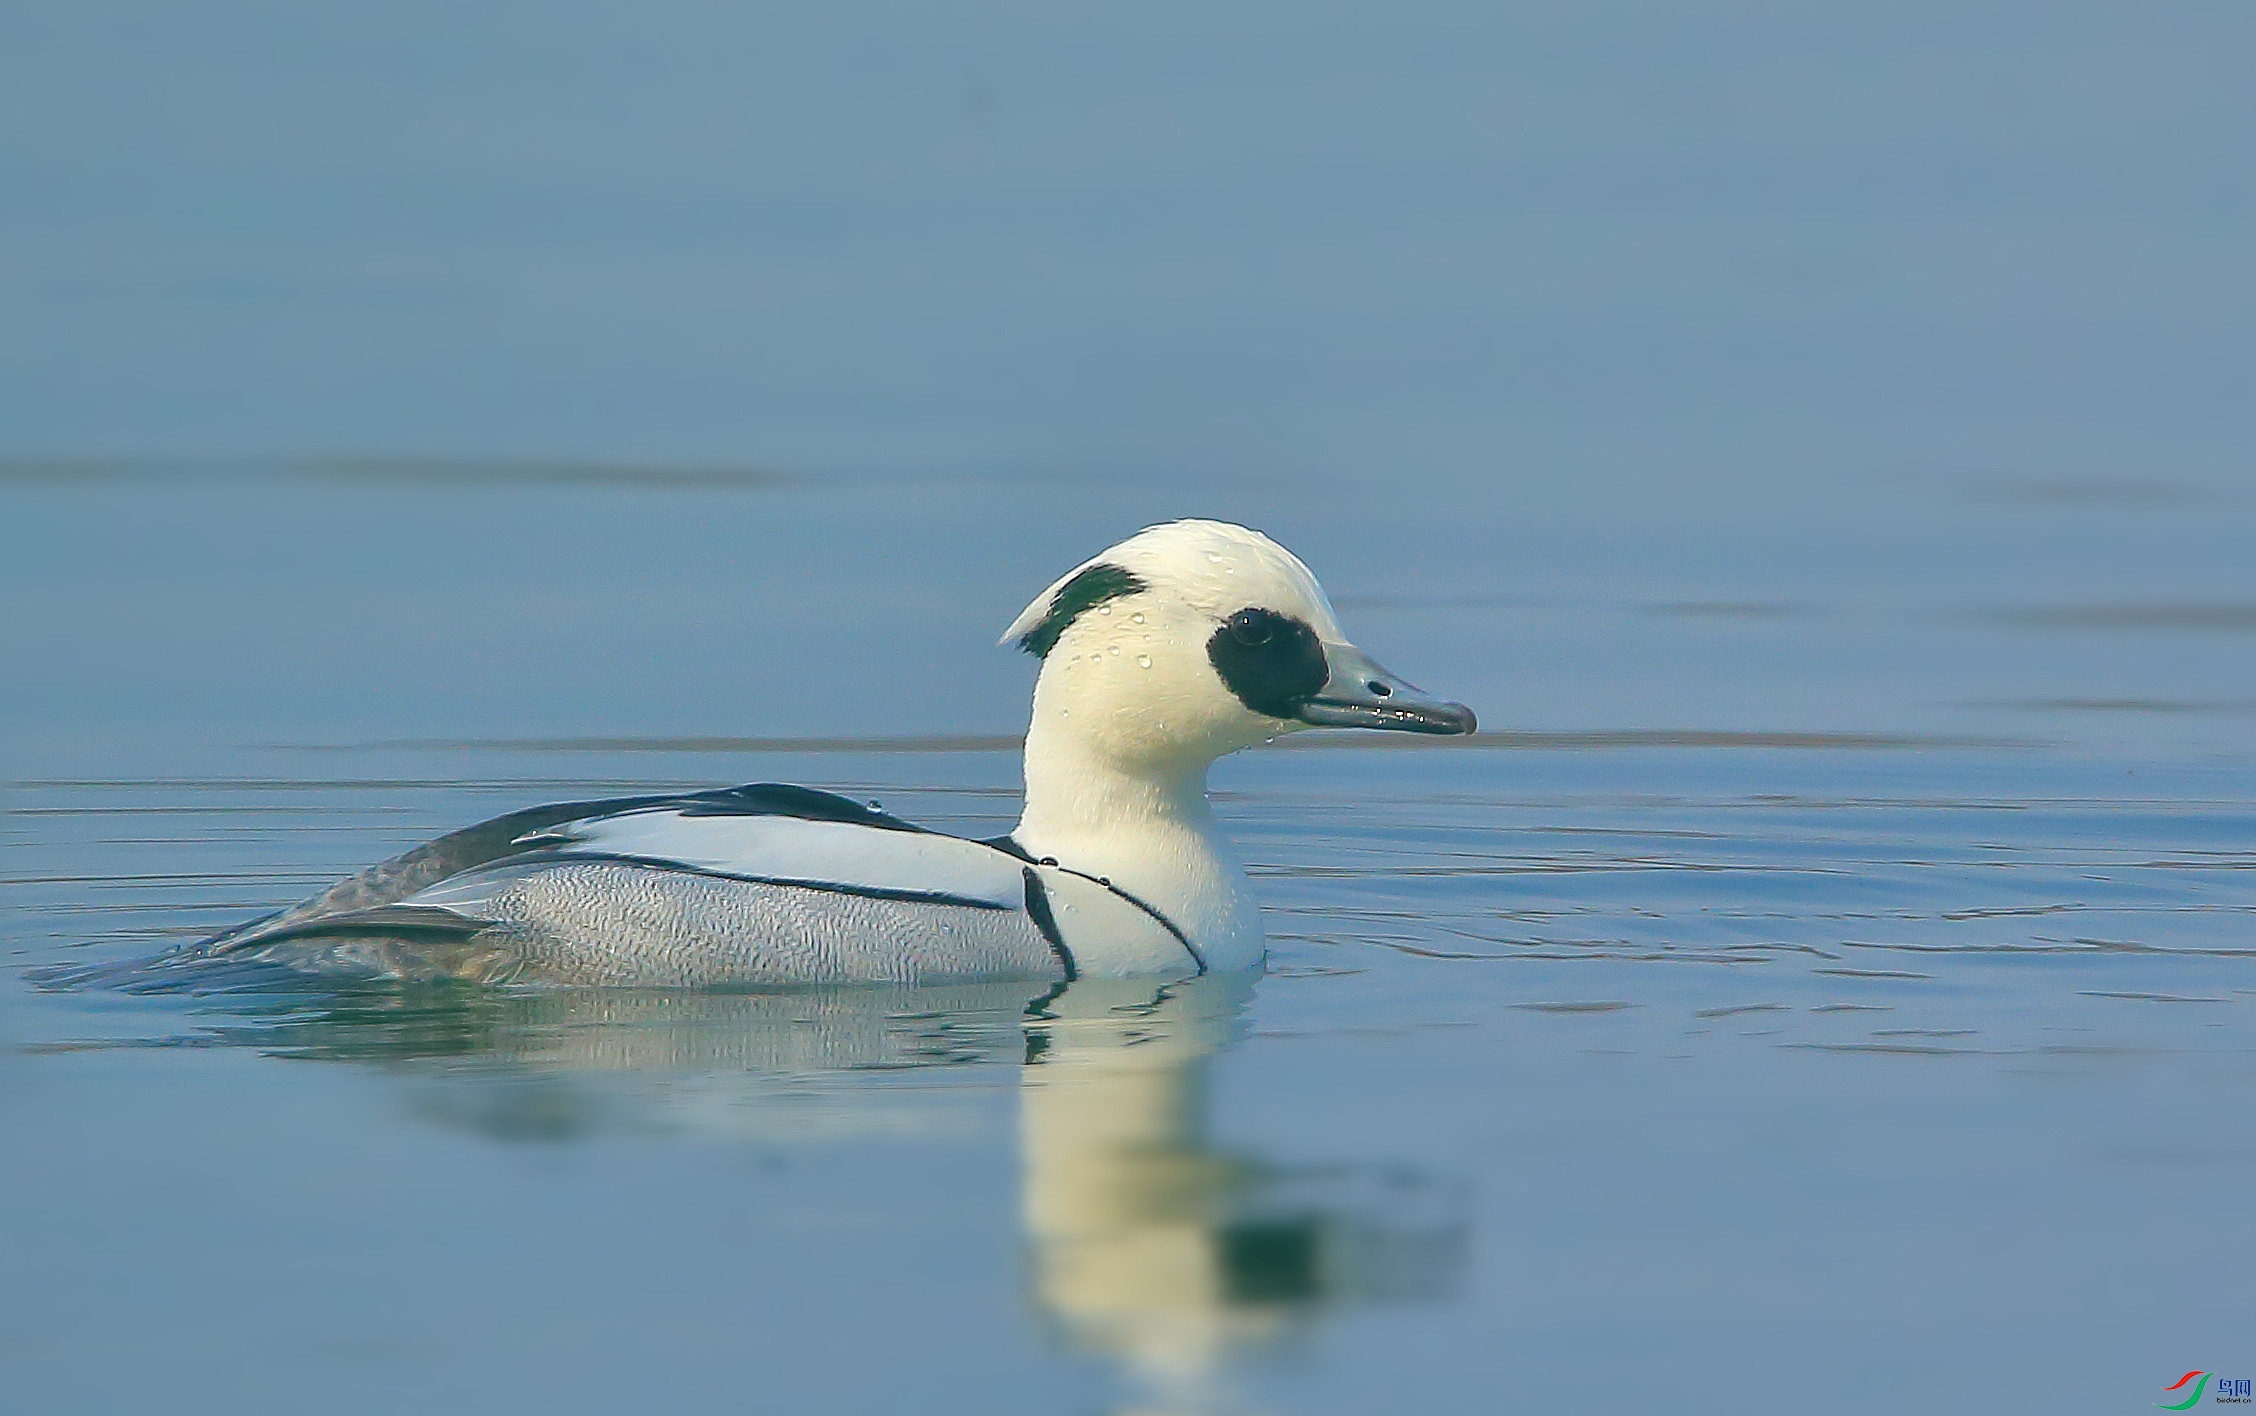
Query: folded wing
{"x": 761, "y": 885}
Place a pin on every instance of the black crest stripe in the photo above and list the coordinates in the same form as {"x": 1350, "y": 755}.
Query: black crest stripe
{"x": 1083, "y": 593}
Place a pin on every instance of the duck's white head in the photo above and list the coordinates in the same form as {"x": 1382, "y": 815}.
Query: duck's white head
{"x": 1182, "y": 643}
{"x": 1194, "y": 639}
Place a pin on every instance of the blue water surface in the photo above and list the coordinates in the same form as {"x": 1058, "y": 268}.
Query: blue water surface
{"x": 1816, "y": 443}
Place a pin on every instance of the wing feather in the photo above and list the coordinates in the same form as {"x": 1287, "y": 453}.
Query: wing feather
{"x": 720, "y": 887}
{"x": 521, "y": 833}
{"x": 785, "y": 850}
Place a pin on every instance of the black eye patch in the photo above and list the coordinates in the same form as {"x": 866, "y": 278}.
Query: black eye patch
{"x": 1272, "y": 662}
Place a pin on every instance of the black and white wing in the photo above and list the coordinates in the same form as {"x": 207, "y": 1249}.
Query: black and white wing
{"x": 760, "y": 885}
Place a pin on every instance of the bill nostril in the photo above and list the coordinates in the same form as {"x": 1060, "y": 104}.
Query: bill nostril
{"x": 1378, "y": 689}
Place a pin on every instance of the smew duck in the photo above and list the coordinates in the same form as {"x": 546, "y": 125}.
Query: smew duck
{"x": 1183, "y": 643}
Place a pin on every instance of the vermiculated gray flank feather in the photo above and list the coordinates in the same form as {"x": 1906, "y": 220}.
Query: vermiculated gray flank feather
{"x": 604, "y": 922}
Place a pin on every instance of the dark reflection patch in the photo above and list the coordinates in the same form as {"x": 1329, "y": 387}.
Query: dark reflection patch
{"x": 1273, "y": 1261}
{"x": 1083, "y": 593}
{"x": 1272, "y": 662}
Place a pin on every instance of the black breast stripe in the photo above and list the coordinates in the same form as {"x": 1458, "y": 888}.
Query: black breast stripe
{"x": 1164, "y": 922}
{"x": 1038, "y": 910}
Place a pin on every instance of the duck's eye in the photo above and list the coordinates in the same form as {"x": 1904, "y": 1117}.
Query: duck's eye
{"x": 1272, "y": 662}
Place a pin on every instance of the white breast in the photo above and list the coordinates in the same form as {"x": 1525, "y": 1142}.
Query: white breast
{"x": 1108, "y": 934}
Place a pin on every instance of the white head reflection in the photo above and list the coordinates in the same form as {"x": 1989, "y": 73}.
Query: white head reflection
{"x": 1150, "y": 1244}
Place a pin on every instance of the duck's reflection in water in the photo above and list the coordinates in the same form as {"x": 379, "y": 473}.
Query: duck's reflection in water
{"x": 1155, "y": 1246}
{"x": 1147, "y": 1241}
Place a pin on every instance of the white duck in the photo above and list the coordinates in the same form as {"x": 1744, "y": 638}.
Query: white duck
{"x": 1183, "y": 643}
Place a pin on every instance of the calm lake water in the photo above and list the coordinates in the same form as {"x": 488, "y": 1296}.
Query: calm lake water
{"x": 1859, "y": 998}
{"x": 1819, "y": 446}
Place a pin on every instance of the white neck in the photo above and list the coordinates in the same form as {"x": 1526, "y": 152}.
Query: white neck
{"x": 1144, "y": 826}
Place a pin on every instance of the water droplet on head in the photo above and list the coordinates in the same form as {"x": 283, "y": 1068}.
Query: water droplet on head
{"x": 1104, "y": 609}
{"x": 1143, "y": 660}
{"x": 1137, "y": 618}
